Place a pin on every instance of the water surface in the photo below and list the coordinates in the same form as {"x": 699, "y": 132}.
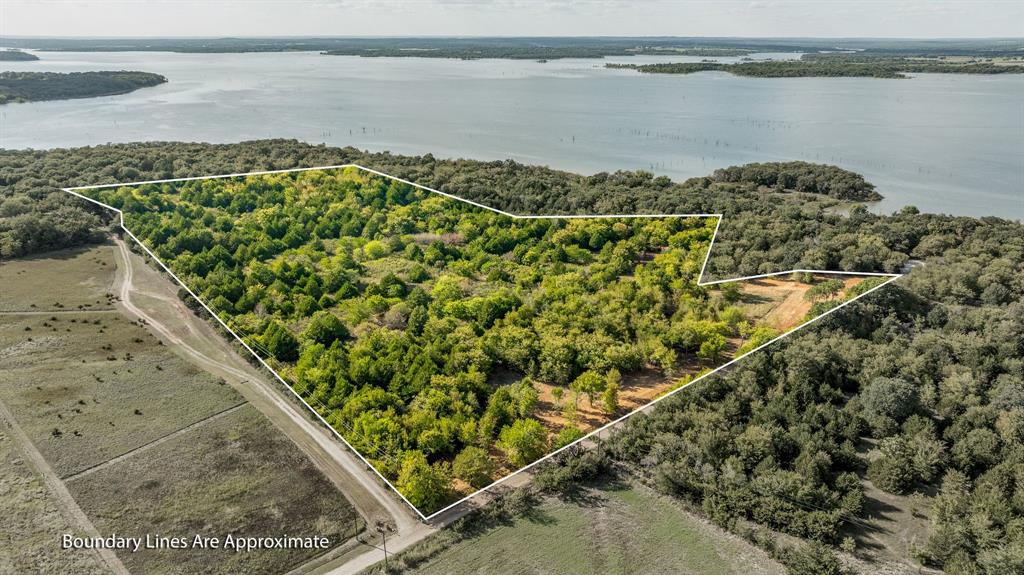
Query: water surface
{"x": 945, "y": 143}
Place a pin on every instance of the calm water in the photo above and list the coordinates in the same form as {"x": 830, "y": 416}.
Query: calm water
{"x": 945, "y": 143}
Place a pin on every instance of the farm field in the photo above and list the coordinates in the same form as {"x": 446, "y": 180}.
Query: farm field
{"x": 614, "y": 529}
{"x": 449, "y": 344}
{"x": 142, "y": 440}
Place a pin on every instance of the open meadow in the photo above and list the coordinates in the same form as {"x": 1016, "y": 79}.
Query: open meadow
{"x": 614, "y": 529}
{"x": 235, "y": 474}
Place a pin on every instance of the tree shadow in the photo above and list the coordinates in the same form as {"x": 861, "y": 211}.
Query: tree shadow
{"x": 63, "y": 253}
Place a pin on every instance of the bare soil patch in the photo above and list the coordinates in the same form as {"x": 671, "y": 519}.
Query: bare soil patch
{"x": 779, "y": 301}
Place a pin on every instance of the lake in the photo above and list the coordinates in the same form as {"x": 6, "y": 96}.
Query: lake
{"x": 944, "y": 143}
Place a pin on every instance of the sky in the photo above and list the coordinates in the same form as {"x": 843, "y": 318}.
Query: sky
{"x": 763, "y": 18}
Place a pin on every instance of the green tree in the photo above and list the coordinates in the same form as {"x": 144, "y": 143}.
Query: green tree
{"x": 813, "y": 559}
{"x": 887, "y": 398}
{"x": 827, "y": 289}
{"x": 417, "y": 320}
{"x": 473, "y": 466}
{"x": 524, "y": 441}
{"x": 610, "y": 398}
{"x": 557, "y": 392}
{"x": 426, "y": 486}
{"x": 280, "y": 342}
{"x": 712, "y": 346}
{"x": 893, "y": 470}
{"x": 589, "y": 383}
{"x": 325, "y": 328}
{"x": 567, "y": 435}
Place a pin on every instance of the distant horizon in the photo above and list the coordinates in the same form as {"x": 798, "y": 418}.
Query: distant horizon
{"x": 888, "y": 19}
{"x": 504, "y": 36}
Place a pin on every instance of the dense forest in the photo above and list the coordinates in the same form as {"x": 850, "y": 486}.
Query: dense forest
{"x": 917, "y": 389}
{"x": 37, "y": 86}
{"x": 425, "y": 329}
{"x": 802, "y": 177}
{"x": 16, "y": 56}
{"x": 835, "y": 66}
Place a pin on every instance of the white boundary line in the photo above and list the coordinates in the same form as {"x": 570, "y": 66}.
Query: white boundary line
{"x": 700, "y": 282}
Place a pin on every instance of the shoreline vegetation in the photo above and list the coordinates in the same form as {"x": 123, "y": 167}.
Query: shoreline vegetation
{"x": 838, "y": 66}
{"x": 16, "y": 56}
{"x": 18, "y": 87}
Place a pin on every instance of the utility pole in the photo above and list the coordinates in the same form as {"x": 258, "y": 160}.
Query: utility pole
{"x": 382, "y": 528}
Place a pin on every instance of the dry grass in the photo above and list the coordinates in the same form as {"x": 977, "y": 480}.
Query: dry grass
{"x": 32, "y": 523}
{"x": 779, "y": 301}
{"x": 235, "y": 474}
{"x": 86, "y": 392}
{"x": 75, "y": 279}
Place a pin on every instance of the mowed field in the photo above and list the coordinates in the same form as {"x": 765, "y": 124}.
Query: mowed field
{"x": 145, "y": 442}
{"x": 615, "y": 529}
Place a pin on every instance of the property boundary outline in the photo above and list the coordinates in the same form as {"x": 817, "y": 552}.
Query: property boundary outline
{"x": 427, "y": 518}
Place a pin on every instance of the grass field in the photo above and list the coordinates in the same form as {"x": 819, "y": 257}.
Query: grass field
{"x": 615, "y": 529}
{"x": 145, "y": 442}
{"x": 87, "y": 387}
{"x": 72, "y": 280}
{"x": 32, "y": 522}
{"x": 235, "y": 474}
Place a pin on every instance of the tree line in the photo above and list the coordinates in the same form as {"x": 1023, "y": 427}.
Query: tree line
{"x": 830, "y": 66}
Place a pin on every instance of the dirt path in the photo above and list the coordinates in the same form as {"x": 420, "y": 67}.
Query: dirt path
{"x": 60, "y": 492}
{"x": 201, "y": 344}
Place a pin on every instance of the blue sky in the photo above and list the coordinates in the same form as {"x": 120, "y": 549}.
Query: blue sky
{"x": 822, "y": 18}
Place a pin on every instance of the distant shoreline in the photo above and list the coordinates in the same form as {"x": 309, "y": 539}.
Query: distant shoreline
{"x": 531, "y": 47}
{"x": 12, "y": 55}
{"x": 22, "y": 87}
{"x": 838, "y": 65}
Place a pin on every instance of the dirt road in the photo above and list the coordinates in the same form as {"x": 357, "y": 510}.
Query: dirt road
{"x": 146, "y": 294}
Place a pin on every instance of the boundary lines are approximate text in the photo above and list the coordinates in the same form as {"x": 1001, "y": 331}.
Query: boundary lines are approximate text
{"x": 700, "y": 282}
